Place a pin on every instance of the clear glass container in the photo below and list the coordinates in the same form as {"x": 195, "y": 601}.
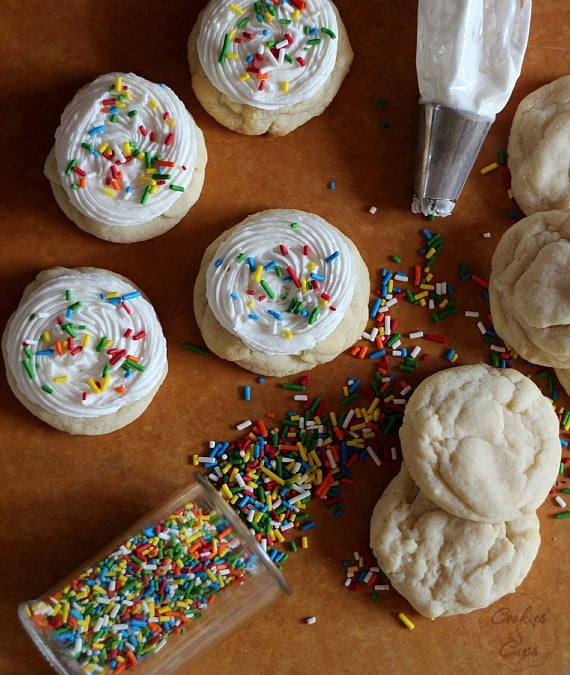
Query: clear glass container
{"x": 183, "y": 577}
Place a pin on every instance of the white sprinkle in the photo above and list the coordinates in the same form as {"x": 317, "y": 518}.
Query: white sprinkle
{"x": 300, "y": 397}
{"x": 387, "y": 325}
{"x": 561, "y": 503}
{"x": 311, "y": 619}
{"x": 381, "y": 587}
{"x": 498, "y": 348}
{"x": 399, "y": 401}
{"x": 415, "y": 351}
{"x": 469, "y": 313}
{"x": 486, "y": 235}
{"x": 331, "y": 458}
{"x": 372, "y": 210}
{"x": 406, "y": 390}
{"x": 417, "y": 334}
{"x": 394, "y": 453}
{"x": 244, "y": 425}
{"x": 347, "y": 419}
{"x": 400, "y": 276}
{"x": 481, "y": 327}
{"x": 374, "y": 456}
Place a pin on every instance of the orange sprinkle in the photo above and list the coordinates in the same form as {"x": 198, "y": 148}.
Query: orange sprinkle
{"x": 59, "y": 347}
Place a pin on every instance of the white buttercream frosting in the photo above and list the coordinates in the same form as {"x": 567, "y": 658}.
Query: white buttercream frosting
{"x": 125, "y": 149}
{"x": 282, "y": 281}
{"x": 268, "y": 54}
{"x": 85, "y": 344}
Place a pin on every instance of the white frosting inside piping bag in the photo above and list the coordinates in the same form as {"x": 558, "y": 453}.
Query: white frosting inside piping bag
{"x": 282, "y": 281}
{"x": 470, "y": 52}
{"x": 276, "y": 57}
{"x": 125, "y": 156}
{"x": 70, "y": 344}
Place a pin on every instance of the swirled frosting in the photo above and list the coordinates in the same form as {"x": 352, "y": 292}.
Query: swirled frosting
{"x": 125, "y": 149}
{"x": 282, "y": 281}
{"x": 268, "y": 54}
{"x": 85, "y": 344}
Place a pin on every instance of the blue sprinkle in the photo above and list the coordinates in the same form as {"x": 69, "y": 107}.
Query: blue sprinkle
{"x": 131, "y": 295}
{"x": 375, "y": 307}
{"x": 247, "y": 392}
{"x": 251, "y": 263}
{"x": 233, "y": 296}
{"x": 96, "y": 130}
{"x": 275, "y": 314}
{"x": 308, "y": 525}
{"x": 377, "y": 354}
{"x": 332, "y": 256}
{"x": 332, "y": 185}
{"x": 218, "y": 262}
{"x": 255, "y": 317}
{"x": 270, "y": 265}
{"x": 318, "y": 277}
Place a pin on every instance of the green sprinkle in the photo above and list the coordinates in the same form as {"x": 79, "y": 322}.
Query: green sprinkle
{"x": 132, "y": 113}
{"x": 314, "y": 41}
{"x": 243, "y": 22}
{"x": 101, "y": 345}
{"x": 313, "y": 315}
{"x": 349, "y": 399}
{"x": 267, "y": 288}
{"x": 134, "y": 364}
{"x": 196, "y": 349}
{"x": 47, "y": 388}
{"x": 396, "y": 259}
{"x": 292, "y": 386}
{"x": 76, "y": 305}
{"x": 562, "y": 514}
{"x": 146, "y": 194}
{"x": 502, "y": 157}
{"x": 29, "y": 368}
{"x": 225, "y": 49}
{"x": 177, "y": 188}
{"x": 70, "y": 166}
{"x": 114, "y": 117}
{"x": 329, "y": 32}
{"x": 87, "y": 146}
{"x": 294, "y": 226}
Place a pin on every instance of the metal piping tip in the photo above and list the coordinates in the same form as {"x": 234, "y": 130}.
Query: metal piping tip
{"x": 449, "y": 142}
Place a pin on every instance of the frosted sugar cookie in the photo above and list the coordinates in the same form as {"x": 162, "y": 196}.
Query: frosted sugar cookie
{"x": 128, "y": 160}
{"x": 529, "y": 288}
{"x": 84, "y": 351}
{"x": 281, "y": 292}
{"x": 442, "y": 564}
{"x": 268, "y": 66}
{"x": 538, "y": 149}
{"x": 480, "y": 442}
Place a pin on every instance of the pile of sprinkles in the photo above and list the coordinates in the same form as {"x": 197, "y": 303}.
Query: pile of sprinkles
{"x": 128, "y": 605}
{"x": 271, "y": 474}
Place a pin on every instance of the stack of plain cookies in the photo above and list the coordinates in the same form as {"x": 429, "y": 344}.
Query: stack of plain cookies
{"x": 457, "y": 528}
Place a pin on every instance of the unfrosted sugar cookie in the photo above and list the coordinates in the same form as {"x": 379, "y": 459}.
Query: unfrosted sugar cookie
{"x": 281, "y": 292}
{"x": 529, "y": 288}
{"x": 538, "y": 149}
{"x": 480, "y": 442}
{"x": 268, "y": 66}
{"x": 128, "y": 161}
{"x": 84, "y": 351}
{"x": 442, "y": 564}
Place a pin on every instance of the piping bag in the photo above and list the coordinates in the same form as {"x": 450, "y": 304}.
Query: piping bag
{"x": 469, "y": 55}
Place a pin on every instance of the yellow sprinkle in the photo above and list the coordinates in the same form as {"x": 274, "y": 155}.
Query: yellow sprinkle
{"x": 272, "y": 475}
{"x": 226, "y": 491}
{"x": 257, "y": 274}
{"x": 152, "y": 103}
{"x": 427, "y": 287}
{"x": 312, "y": 266}
{"x": 118, "y": 84}
{"x": 46, "y": 336}
{"x": 105, "y": 382}
{"x": 295, "y": 14}
{"x": 288, "y": 334}
{"x": 390, "y": 286}
{"x": 109, "y": 192}
{"x": 244, "y": 76}
{"x": 420, "y": 295}
{"x": 250, "y": 303}
{"x": 103, "y": 147}
{"x": 488, "y": 168}
{"x": 268, "y": 17}
{"x": 373, "y": 405}
{"x": 443, "y": 303}
{"x": 236, "y": 9}
{"x": 428, "y": 276}
{"x": 510, "y": 193}
{"x": 171, "y": 122}
{"x": 404, "y": 619}
{"x": 195, "y": 460}
{"x": 60, "y": 378}
{"x": 279, "y": 536}
{"x": 285, "y": 86}
{"x": 233, "y": 55}
{"x": 153, "y": 189}
{"x": 304, "y": 542}
{"x": 430, "y": 253}
{"x": 86, "y": 339}
{"x": 333, "y": 418}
